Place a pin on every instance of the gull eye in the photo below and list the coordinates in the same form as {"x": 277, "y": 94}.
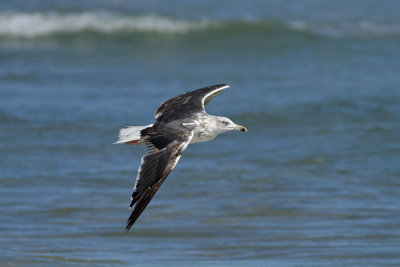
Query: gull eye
{"x": 225, "y": 123}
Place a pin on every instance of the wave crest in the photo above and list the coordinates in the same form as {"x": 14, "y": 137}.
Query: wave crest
{"x": 351, "y": 29}
{"x": 40, "y": 24}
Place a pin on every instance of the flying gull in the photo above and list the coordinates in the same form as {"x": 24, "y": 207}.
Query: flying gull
{"x": 180, "y": 121}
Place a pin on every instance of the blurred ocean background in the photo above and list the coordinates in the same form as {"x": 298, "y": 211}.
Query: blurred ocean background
{"x": 314, "y": 182}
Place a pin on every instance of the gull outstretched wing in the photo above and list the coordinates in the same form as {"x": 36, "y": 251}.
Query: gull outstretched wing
{"x": 190, "y": 102}
{"x": 155, "y": 166}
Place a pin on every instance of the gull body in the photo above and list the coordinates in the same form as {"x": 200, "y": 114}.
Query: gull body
{"x": 180, "y": 121}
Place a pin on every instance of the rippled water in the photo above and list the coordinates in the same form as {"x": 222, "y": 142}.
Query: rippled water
{"x": 315, "y": 181}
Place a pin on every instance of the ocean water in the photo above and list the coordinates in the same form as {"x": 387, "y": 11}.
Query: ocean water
{"x": 314, "y": 182}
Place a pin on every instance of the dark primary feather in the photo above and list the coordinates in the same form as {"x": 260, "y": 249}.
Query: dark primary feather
{"x": 156, "y": 167}
{"x": 188, "y": 103}
{"x": 156, "y": 164}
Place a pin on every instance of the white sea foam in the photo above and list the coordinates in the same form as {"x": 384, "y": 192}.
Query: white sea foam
{"x": 347, "y": 29}
{"x": 36, "y": 24}
{"x": 40, "y": 24}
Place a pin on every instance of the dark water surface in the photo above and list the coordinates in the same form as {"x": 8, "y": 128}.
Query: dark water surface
{"x": 315, "y": 181}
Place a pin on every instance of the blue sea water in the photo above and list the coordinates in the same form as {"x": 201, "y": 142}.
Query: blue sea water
{"x": 314, "y": 182}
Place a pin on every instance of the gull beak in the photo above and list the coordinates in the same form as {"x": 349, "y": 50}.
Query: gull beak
{"x": 240, "y": 128}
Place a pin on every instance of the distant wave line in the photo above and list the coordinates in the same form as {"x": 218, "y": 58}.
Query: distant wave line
{"x": 41, "y": 24}
{"x": 38, "y": 24}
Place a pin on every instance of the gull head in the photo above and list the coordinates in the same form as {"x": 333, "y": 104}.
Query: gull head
{"x": 225, "y": 125}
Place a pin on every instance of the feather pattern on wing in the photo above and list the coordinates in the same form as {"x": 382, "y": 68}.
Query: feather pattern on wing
{"x": 193, "y": 101}
{"x": 155, "y": 166}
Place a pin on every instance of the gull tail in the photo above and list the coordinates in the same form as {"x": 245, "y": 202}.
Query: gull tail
{"x": 131, "y": 135}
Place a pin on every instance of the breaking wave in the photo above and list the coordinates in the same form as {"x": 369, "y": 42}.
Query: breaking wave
{"x": 42, "y": 24}
{"x": 33, "y": 25}
{"x": 362, "y": 28}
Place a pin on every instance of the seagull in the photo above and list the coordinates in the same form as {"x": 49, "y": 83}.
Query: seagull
{"x": 180, "y": 121}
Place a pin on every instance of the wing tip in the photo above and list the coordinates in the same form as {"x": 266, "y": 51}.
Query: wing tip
{"x": 131, "y": 220}
{"x": 224, "y": 86}
{"x": 218, "y": 87}
{"x": 129, "y": 225}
